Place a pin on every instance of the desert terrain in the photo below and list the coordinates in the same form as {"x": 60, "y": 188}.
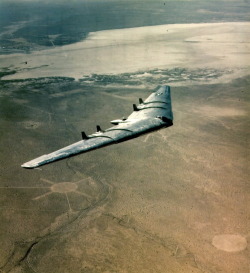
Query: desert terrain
{"x": 172, "y": 201}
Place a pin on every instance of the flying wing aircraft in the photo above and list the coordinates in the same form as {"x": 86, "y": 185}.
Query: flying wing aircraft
{"x": 150, "y": 115}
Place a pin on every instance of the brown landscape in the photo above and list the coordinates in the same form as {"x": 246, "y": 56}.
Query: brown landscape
{"x": 175, "y": 200}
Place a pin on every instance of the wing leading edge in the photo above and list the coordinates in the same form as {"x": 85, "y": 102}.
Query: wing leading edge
{"x": 152, "y": 114}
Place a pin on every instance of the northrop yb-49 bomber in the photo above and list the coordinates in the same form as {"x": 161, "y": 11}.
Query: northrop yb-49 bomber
{"x": 150, "y": 115}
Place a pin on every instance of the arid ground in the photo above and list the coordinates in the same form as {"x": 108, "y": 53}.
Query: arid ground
{"x": 175, "y": 200}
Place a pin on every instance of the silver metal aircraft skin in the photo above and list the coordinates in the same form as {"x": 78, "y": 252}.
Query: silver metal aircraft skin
{"x": 152, "y": 114}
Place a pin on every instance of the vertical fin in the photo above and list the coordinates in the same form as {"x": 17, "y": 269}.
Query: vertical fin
{"x": 84, "y": 136}
{"x": 135, "y": 107}
{"x": 98, "y": 128}
{"x": 140, "y": 101}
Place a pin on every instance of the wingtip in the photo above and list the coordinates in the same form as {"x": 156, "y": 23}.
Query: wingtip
{"x": 27, "y": 166}
{"x": 30, "y": 165}
{"x": 166, "y": 87}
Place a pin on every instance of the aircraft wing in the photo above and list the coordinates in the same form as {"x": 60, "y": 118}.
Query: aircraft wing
{"x": 152, "y": 114}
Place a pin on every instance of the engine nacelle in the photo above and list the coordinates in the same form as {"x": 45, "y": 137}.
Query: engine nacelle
{"x": 117, "y": 121}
